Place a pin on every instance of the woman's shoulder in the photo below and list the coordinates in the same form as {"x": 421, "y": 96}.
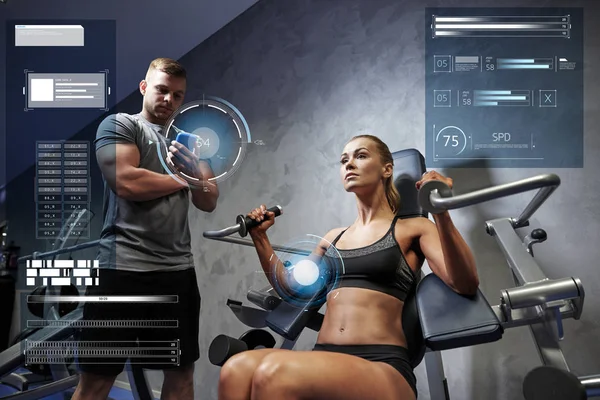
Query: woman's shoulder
{"x": 413, "y": 226}
{"x": 332, "y": 234}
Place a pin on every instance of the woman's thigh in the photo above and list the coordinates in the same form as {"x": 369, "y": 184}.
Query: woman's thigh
{"x": 241, "y": 366}
{"x": 327, "y": 375}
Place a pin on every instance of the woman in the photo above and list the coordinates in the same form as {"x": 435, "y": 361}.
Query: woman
{"x": 361, "y": 348}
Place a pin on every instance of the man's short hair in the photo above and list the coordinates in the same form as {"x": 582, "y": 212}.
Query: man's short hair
{"x": 168, "y": 66}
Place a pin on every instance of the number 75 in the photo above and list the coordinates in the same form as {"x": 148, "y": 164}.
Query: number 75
{"x": 454, "y": 140}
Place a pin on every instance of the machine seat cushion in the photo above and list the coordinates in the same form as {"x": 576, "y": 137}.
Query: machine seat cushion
{"x": 450, "y": 320}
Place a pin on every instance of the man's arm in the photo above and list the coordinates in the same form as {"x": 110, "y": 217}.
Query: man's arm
{"x": 206, "y": 194}
{"x": 119, "y": 163}
{"x": 119, "y": 160}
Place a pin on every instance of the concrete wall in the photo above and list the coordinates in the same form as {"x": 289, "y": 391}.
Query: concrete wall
{"x": 308, "y": 75}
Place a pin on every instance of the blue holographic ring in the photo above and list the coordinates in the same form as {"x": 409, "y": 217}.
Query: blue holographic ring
{"x": 237, "y": 146}
{"x": 331, "y": 268}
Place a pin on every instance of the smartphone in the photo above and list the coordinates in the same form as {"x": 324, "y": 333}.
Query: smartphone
{"x": 189, "y": 140}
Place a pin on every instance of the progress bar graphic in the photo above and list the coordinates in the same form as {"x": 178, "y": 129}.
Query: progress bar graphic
{"x": 525, "y": 63}
{"x": 491, "y": 98}
{"x": 86, "y": 352}
{"x": 501, "y": 26}
{"x": 38, "y": 323}
{"x": 102, "y": 299}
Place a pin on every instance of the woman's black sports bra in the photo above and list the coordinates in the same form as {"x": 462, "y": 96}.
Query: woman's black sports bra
{"x": 380, "y": 266}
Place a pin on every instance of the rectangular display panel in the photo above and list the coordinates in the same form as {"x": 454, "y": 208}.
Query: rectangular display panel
{"x": 504, "y": 87}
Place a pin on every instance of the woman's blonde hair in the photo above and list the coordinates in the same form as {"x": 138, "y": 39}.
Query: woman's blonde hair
{"x": 391, "y": 193}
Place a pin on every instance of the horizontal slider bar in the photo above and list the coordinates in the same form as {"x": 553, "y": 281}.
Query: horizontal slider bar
{"x": 77, "y": 84}
{"x": 122, "y": 352}
{"x": 102, "y": 299}
{"x": 476, "y": 92}
{"x": 36, "y": 360}
{"x": 544, "y": 33}
{"x": 38, "y": 323}
{"x": 110, "y": 344}
{"x": 524, "y": 66}
{"x": 502, "y": 18}
{"x": 524, "y": 60}
{"x": 501, "y": 98}
{"x": 497, "y": 26}
{"x": 501, "y": 92}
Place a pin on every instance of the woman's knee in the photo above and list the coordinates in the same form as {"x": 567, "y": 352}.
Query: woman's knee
{"x": 275, "y": 374}
{"x": 240, "y": 366}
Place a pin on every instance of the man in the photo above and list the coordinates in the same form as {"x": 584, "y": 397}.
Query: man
{"x": 145, "y": 242}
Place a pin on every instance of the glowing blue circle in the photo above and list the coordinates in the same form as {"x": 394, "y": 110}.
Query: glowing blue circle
{"x": 306, "y": 272}
{"x": 220, "y": 134}
{"x": 309, "y": 273}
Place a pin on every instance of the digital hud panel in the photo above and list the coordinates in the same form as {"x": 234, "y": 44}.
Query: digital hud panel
{"x": 504, "y": 87}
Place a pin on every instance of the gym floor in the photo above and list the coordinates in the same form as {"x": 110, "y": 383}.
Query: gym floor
{"x": 115, "y": 394}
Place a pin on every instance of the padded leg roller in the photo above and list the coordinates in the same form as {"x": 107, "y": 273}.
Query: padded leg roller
{"x": 550, "y": 383}
{"x": 224, "y": 347}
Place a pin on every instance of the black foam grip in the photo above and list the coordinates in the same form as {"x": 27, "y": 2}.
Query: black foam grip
{"x": 258, "y": 338}
{"x": 224, "y": 347}
{"x": 247, "y": 222}
{"x": 250, "y": 223}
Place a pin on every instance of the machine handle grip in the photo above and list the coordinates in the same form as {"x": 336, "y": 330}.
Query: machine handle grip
{"x": 243, "y": 223}
{"x": 436, "y": 197}
{"x": 263, "y": 300}
{"x": 247, "y": 222}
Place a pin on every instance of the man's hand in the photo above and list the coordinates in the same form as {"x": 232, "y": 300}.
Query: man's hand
{"x": 434, "y": 176}
{"x": 184, "y": 160}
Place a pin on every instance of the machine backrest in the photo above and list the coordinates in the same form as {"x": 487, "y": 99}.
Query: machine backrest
{"x": 410, "y": 166}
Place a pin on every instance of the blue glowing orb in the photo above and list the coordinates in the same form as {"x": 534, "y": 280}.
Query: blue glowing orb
{"x": 308, "y": 273}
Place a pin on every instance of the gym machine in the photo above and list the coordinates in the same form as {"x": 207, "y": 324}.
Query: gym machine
{"x": 37, "y": 383}
{"x": 435, "y": 318}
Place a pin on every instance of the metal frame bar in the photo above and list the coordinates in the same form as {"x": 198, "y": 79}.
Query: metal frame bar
{"x": 522, "y": 264}
{"x": 591, "y": 384}
{"x": 436, "y": 378}
{"x": 247, "y": 242}
{"x": 547, "y": 183}
{"x": 45, "y": 390}
{"x": 526, "y": 271}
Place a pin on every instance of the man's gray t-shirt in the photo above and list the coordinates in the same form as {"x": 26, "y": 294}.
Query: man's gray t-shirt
{"x": 143, "y": 235}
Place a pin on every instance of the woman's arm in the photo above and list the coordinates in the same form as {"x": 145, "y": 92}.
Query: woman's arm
{"x": 272, "y": 266}
{"x": 447, "y": 253}
{"x": 278, "y": 275}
